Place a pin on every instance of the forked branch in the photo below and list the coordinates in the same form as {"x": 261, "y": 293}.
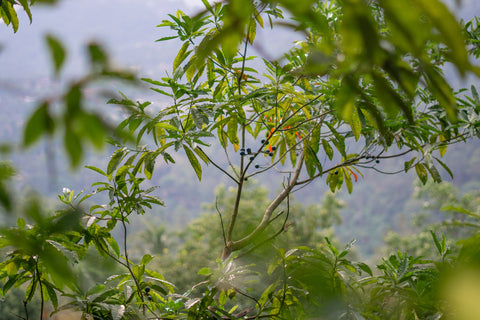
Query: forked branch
{"x": 232, "y": 246}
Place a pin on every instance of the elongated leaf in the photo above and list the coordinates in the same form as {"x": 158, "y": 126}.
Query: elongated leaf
{"x": 57, "y": 52}
{"x": 96, "y": 289}
{"x": 39, "y": 123}
{"x": 11, "y": 14}
{"x": 115, "y": 161}
{"x": 26, "y": 7}
{"x": 232, "y": 128}
{"x": 166, "y": 38}
{"x": 193, "y": 161}
{"x": 421, "y": 172}
{"x": 181, "y": 56}
{"x": 51, "y": 294}
{"x": 445, "y": 167}
{"x": 74, "y": 148}
{"x": 435, "y": 174}
{"x": 408, "y": 164}
{"x": 149, "y": 166}
{"x": 100, "y": 171}
{"x": 391, "y": 101}
{"x": 202, "y": 155}
{"x": 450, "y": 30}
{"x": 327, "y": 148}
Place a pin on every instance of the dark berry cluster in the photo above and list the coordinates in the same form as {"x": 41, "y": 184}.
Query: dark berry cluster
{"x": 147, "y": 293}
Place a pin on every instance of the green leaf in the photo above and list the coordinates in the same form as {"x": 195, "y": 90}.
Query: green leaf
{"x": 73, "y": 145}
{"x": 365, "y": 268}
{"x": 460, "y": 210}
{"x": 444, "y": 167}
{"x": 21, "y": 223}
{"x": 345, "y": 101}
{"x": 94, "y": 129}
{"x": 193, "y": 161}
{"x": 328, "y": 149}
{"x": 348, "y": 180}
{"x": 450, "y": 30}
{"x": 199, "y": 118}
{"x": 437, "y": 243}
{"x": 100, "y": 171}
{"x": 205, "y": 271}
{"x": 115, "y": 161}
{"x": 421, "y": 172}
{"x": 391, "y": 101}
{"x": 39, "y": 123}
{"x": 26, "y": 7}
{"x": 149, "y": 166}
{"x": 51, "y": 294}
{"x": 232, "y": 128}
{"x": 408, "y": 164}
{"x": 11, "y": 15}
{"x": 181, "y": 56}
{"x": 434, "y": 173}
{"x": 207, "y": 5}
{"x": 114, "y": 245}
{"x": 96, "y": 290}
{"x": 57, "y": 52}
{"x": 202, "y": 155}
{"x": 475, "y": 96}
{"x": 311, "y": 161}
{"x": 355, "y": 124}
{"x": 166, "y": 38}
{"x": 146, "y": 259}
{"x": 98, "y": 57}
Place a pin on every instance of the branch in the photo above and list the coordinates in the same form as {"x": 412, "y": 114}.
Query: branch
{"x": 217, "y": 166}
{"x": 242, "y": 243}
{"x": 221, "y": 222}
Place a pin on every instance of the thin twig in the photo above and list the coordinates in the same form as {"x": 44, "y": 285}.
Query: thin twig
{"x": 221, "y": 221}
{"x": 216, "y": 165}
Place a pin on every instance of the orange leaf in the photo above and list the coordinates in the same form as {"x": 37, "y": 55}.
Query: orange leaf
{"x": 353, "y": 174}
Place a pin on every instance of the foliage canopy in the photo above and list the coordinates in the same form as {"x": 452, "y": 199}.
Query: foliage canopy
{"x": 364, "y": 84}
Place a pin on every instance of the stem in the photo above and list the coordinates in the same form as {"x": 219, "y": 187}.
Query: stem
{"x": 237, "y": 245}
{"x": 26, "y": 309}
{"x": 137, "y": 284}
{"x": 41, "y": 290}
{"x": 216, "y": 165}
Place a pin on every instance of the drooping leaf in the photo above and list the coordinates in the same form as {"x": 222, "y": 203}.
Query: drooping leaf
{"x": 73, "y": 145}
{"x": 327, "y": 148}
{"x": 421, "y": 172}
{"x": 193, "y": 162}
{"x": 98, "y": 57}
{"x": 57, "y": 52}
{"x": 26, "y": 7}
{"x": 181, "y": 56}
{"x": 450, "y": 173}
{"x": 40, "y": 123}
{"x": 115, "y": 161}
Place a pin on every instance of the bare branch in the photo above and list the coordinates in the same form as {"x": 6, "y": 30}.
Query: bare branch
{"x": 216, "y": 165}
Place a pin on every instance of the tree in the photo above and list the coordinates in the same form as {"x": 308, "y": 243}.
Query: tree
{"x": 191, "y": 246}
{"x": 363, "y": 85}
